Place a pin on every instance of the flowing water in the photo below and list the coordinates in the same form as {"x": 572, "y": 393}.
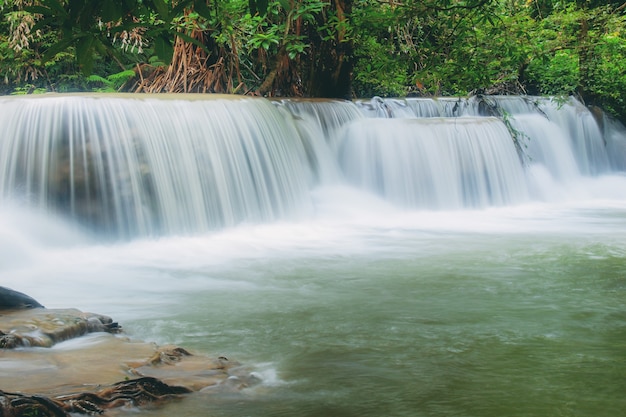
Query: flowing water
{"x": 378, "y": 258}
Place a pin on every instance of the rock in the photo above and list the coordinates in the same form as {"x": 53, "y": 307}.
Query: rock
{"x": 43, "y": 327}
{"x": 134, "y": 393}
{"x": 81, "y": 378}
{"x": 14, "y": 300}
{"x": 84, "y": 353}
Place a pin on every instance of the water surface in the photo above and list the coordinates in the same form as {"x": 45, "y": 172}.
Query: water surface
{"x": 514, "y": 311}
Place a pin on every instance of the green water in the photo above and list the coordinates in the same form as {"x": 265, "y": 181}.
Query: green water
{"x": 508, "y": 312}
{"x": 426, "y": 324}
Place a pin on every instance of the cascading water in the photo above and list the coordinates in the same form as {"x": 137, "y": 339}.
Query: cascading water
{"x": 135, "y": 166}
{"x": 614, "y": 134}
{"x": 145, "y": 166}
{"x": 558, "y": 141}
{"x": 435, "y": 163}
{"x": 397, "y": 257}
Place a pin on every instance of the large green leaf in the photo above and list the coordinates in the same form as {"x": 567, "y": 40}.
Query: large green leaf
{"x": 54, "y": 5}
{"x": 45, "y": 11}
{"x": 201, "y": 8}
{"x": 85, "y": 53}
{"x": 60, "y": 46}
{"x": 163, "y": 47}
{"x": 163, "y": 9}
{"x": 111, "y": 11}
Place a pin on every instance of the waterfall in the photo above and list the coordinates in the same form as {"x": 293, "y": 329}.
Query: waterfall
{"x": 585, "y": 134}
{"x": 139, "y": 166}
{"x": 132, "y": 165}
{"x": 597, "y": 146}
{"x": 319, "y": 122}
{"x": 435, "y": 162}
{"x": 614, "y": 137}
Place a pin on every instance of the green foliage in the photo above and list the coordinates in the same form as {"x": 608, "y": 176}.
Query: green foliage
{"x": 112, "y": 83}
{"x": 430, "y": 47}
{"x": 555, "y": 75}
{"x": 581, "y": 51}
{"x": 608, "y": 73}
{"x": 379, "y": 72}
{"x": 28, "y": 89}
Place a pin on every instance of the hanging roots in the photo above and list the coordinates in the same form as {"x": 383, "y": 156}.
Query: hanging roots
{"x": 192, "y": 70}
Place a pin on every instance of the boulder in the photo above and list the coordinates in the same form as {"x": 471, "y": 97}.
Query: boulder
{"x": 14, "y": 300}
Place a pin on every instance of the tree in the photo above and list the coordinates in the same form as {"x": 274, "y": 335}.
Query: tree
{"x": 319, "y": 48}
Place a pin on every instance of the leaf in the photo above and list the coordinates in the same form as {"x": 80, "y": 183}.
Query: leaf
{"x": 181, "y": 6}
{"x": 202, "y": 9}
{"x": 85, "y": 54}
{"x": 46, "y": 11}
{"x": 163, "y": 10}
{"x": 55, "y": 5}
{"x": 43, "y": 23}
{"x": 87, "y": 16}
{"x": 60, "y": 46}
{"x": 97, "y": 78}
{"x": 111, "y": 11}
{"x": 163, "y": 48}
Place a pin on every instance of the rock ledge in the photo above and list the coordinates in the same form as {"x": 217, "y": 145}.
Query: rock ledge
{"x": 97, "y": 368}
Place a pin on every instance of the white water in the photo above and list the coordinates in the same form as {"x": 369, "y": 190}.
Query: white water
{"x": 148, "y": 167}
{"x": 351, "y": 303}
{"x": 435, "y": 163}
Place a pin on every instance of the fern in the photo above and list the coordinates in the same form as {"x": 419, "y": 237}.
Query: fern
{"x": 113, "y": 82}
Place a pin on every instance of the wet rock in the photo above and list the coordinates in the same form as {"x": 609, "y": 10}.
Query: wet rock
{"x": 100, "y": 358}
{"x": 43, "y": 327}
{"x": 134, "y": 393}
{"x": 15, "y": 300}
{"x": 17, "y": 405}
{"x": 86, "y": 352}
{"x": 176, "y": 366}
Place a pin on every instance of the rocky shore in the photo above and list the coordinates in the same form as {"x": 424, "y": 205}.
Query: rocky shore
{"x": 54, "y": 362}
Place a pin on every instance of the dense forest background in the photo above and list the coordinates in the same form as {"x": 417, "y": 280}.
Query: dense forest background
{"x": 318, "y": 48}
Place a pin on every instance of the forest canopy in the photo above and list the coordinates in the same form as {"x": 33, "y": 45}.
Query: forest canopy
{"x": 318, "y": 48}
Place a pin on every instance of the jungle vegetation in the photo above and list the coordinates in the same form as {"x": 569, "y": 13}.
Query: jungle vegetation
{"x": 318, "y": 48}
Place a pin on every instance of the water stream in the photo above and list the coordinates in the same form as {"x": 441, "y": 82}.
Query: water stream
{"x": 383, "y": 257}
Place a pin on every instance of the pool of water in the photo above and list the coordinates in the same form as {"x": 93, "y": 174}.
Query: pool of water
{"x": 515, "y": 311}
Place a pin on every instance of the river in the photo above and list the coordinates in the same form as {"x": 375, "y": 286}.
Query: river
{"x": 369, "y": 301}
